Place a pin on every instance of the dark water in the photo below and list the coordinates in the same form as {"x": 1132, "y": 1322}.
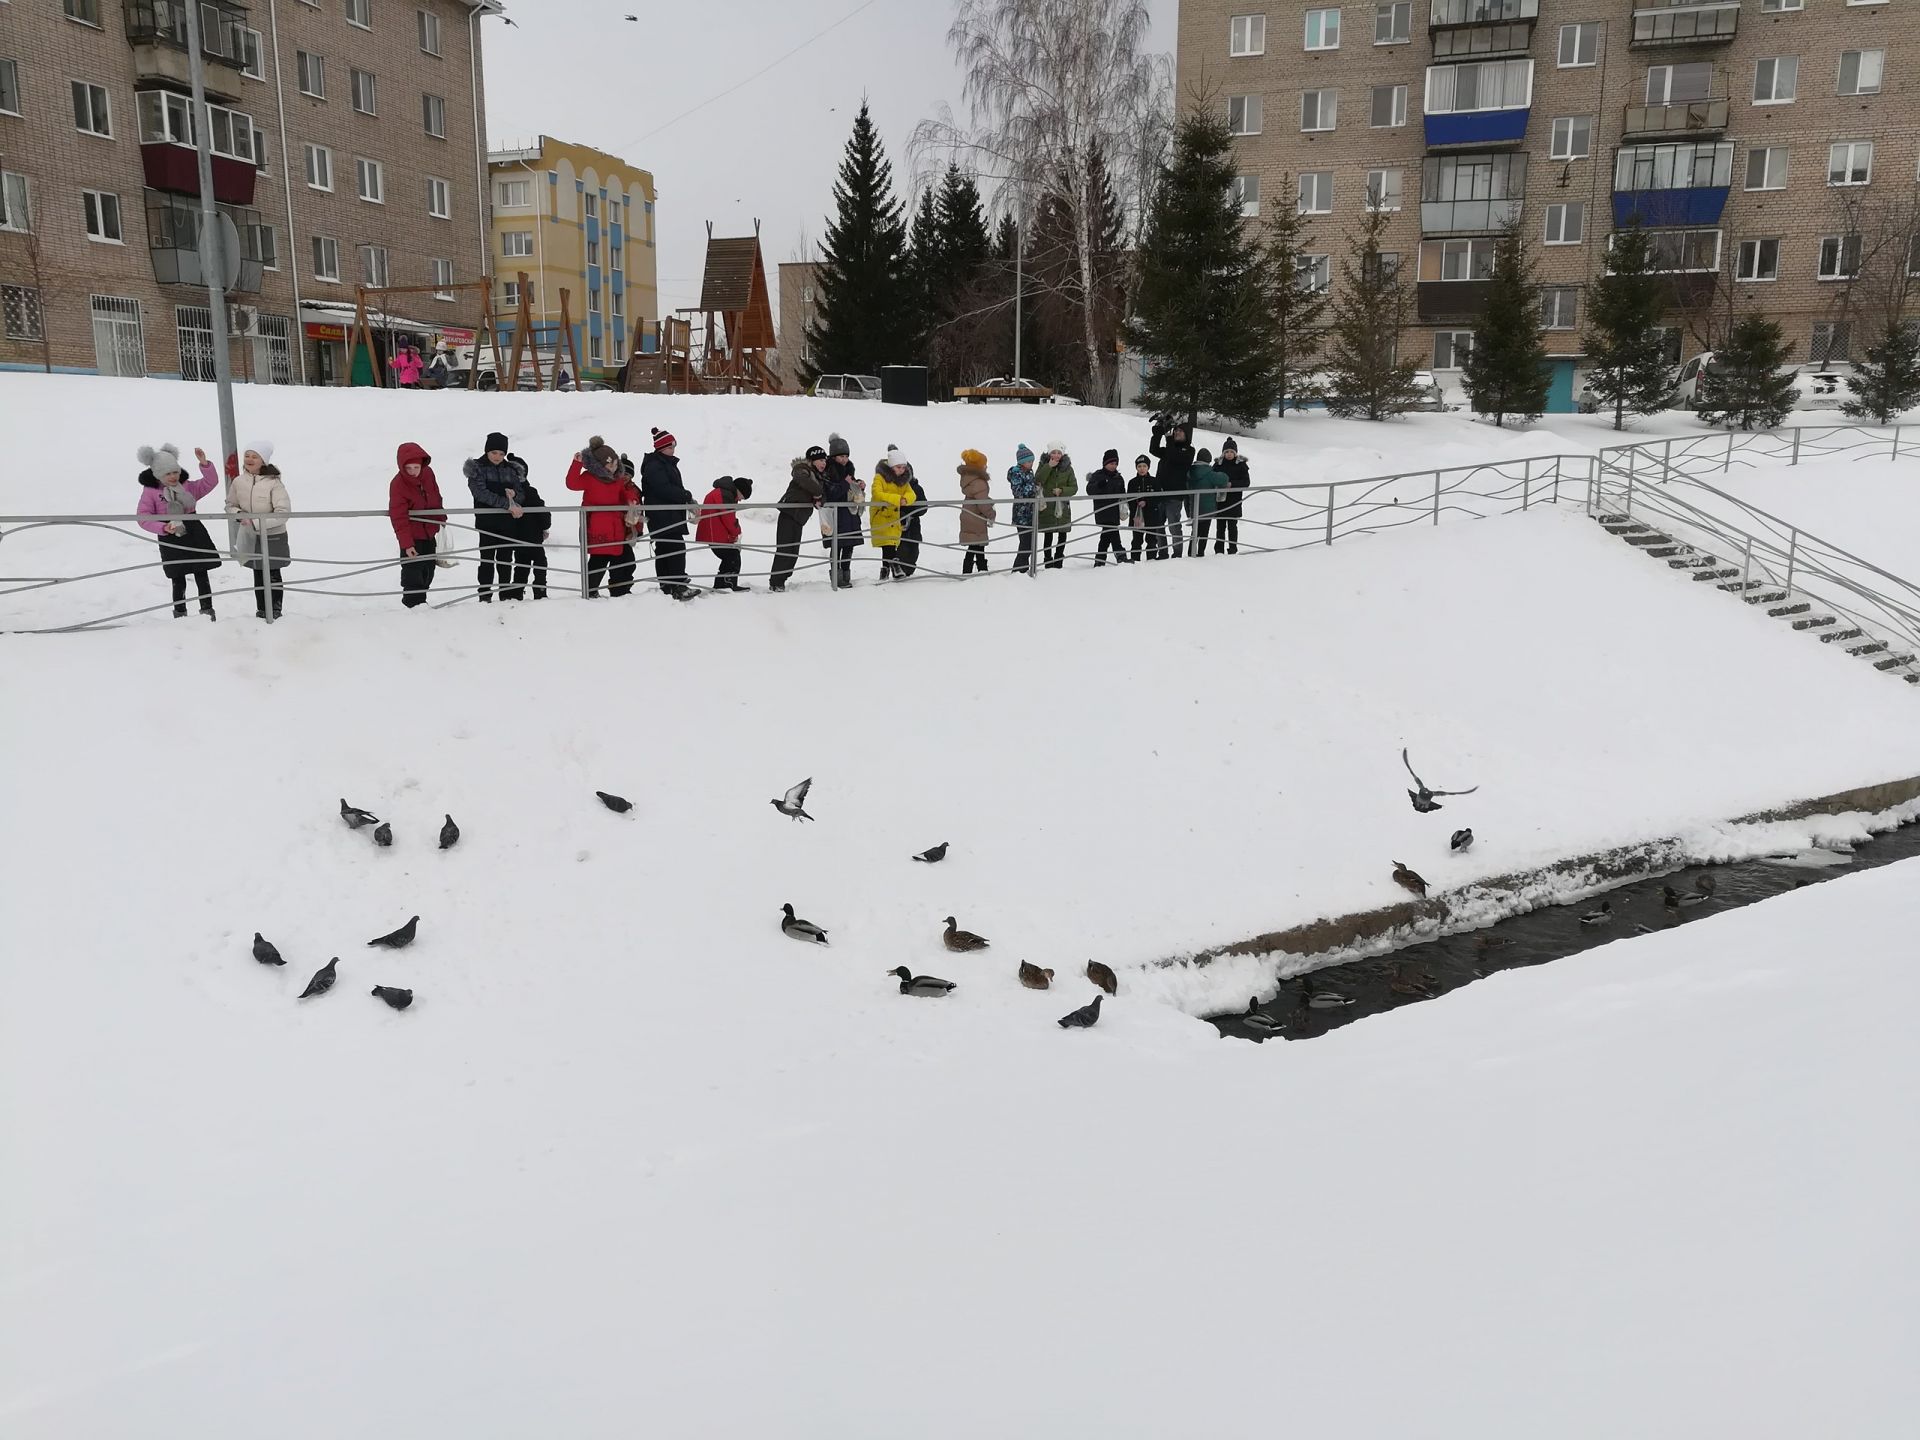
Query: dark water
{"x": 1308, "y": 1005}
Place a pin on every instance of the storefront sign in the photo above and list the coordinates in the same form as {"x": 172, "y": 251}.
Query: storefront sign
{"x": 326, "y": 332}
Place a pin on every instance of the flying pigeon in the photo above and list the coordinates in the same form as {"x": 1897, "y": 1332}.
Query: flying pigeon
{"x": 449, "y": 834}
{"x": 397, "y": 998}
{"x": 614, "y": 802}
{"x": 1084, "y": 1018}
{"x": 1462, "y": 841}
{"x": 357, "y": 818}
{"x": 793, "y": 803}
{"x": 322, "y": 980}
{"x": 1103, "y": 976}
{"x": 1408, "y": 880}
{"x": 1423, "y": 800}
{"x": 794, "y": 928}
{"x": 265, "y": 951}
{"x": 383, "y": 835}
{"x": 399, "y": 939}
{"x": 935, "y": 855}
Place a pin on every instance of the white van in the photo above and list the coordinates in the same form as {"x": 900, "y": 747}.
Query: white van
{"x": 1816, "y": 387}
{"x": 848, "y": 387}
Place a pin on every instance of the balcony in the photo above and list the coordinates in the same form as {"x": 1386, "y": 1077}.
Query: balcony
{"x": 1477, "y": 128}
{"x": 1658, "y": 23}
{"x": 1481, "y": 103}
{"x": 157, "y": 31}
{"x": 1687, "y": 117}
{"x": 173, "y": 242}
{"x": 1468, "y": 217}
{"x": 167, "y": 155}
{"x": 1484, "y": 40}
{"x": 1444, "y": 14}
{"x": 1442, "y": 300}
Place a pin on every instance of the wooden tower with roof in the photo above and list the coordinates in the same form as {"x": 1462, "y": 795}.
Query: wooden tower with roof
{"x": 738, "y": 312}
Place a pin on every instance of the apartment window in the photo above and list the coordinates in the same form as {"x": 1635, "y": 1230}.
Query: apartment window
{"x": 15, "y": 212}
{"x": 266, "y": 244}
{"x": 1688, "y": 251}
{"x": 593, "y": 252}
{"x": 91, "y": 113}
{"x": 1245, "y": 193}
{"x": 259, "y": 149}
{"x": 1579, "y": 45}
{"x": 593, "y": 301}
{"x": 1388, "y": 106}
{"x": 439, "y": 198}
{"x": 1247, "y": 35}
{"x": 371, "y": 179}
{"x": 1776, "y": 81}
{"x": 1560, "y": 307}
{"x": 1775, "y": 7}
{"x": 1457, "y": 259}
{"x": 1471, "y": 192}
{"x": 1488, "y": 85}
{"x": 514, "y": 194}
{"x": 1861, "y": 71}
{"x": 433, "y": 115}
{"x": 102, "y": 209}
{"x": 429, "y": 31}
{"x": 21, "y": 305}
{"x": 1319, "y": 109}
{"x": 1831, "y": 342}
{"x": 9, "y": 87}
{"x": 1451, "y": 348}
{"x": 253, "y": 55}
{"x": 1323, "y": 29}
{"x": 1567, "y": 223}
{"x": 365, "y": 96}
{"x": 1676, "y": 84}
{"x": 442, "y": 278}
{"x": 360, "y": 12}
{"x": 1572, "y": 137}
{"x": 591, "y": 203}
{"x": 517, "y": 244}
{"x": 510, "y": 295}
{"x": 1313, "y": 273}
{"x": 1839, "y": 257}
{"x": 1243, "y": 114}
{"x": 1316, "y": 192}
{"x": 1850, "y": 163}
{"x": 1393, "y": 24}
{"x": 1767, "y": 167}
{"x": 312, "y": 72}
{"x": 1758, "y": 260}
{"x": 373, "y": 265}
{"x": 87, "y": 12}
{"x": 326, "y": 258}
{"x": 1385, "y": 189}
{"x": 319, "y": 167}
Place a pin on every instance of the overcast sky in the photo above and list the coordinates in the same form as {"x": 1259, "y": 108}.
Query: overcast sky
{"x": 577, "y": 70}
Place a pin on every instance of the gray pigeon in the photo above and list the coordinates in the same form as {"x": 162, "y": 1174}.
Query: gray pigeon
{"x": 933, "y": 856}
{"x": 449, "y": 834}
{"x": 1084, "y": 1018}
{"x": 399, "y": 939}
{"x": 794, "y": 803}
{"x": 1422, "y": 799}
{"x": 383, "y": 835}
{"x": 357, "y": 818}
{"x": 614, "y": 802}
{"x": 399, "y": 999}
{"x": 265, "y": 951}
{"x": 322, "y": 980}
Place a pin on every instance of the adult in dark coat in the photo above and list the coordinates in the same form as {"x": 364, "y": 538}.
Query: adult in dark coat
{"x": 495, "y": 480}
{"x": 1108, "y": 490}
{"x": 803, "y": 495}
{"x": 1175, "y": 453}
{"x": 1146, "y": 513}
{"x": 1226, "y": 535}
{"x": 842, "y": 489}
{"x": 665, "y": 497}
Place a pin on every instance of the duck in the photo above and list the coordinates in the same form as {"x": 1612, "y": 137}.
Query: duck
{"x": 1033, "y": 977}
{"x": 931, "y": 986}
{"x": 1705, "y": 885}
{"x": 1461, "y": 842}
{"x": 1327, "y": 1000}
{"x": 1602, "y": 916}
{"x": 962, "y": 940}
{"x": 1408, "y": 880}
{"x": 1418, "y": 985}
{"x": 794, "y": 928}
{"x": 1256, "y": 1021}
{"x": 1495, "y": 942}
{"x": 1103, "y": 976}
{"x": 1669, "y": 897}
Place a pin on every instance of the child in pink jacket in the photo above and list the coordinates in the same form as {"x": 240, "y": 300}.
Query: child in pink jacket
{"x": 169, "y": 498}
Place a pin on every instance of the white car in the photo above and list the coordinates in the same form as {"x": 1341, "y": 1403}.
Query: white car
{"x": 1816, "y": 387}
{"x": 848, "y": 387}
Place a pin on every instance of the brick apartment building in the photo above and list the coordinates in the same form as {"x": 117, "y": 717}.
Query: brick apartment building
{"x": 348, "y": 147}
{"x": 1769, "y": 145}
{"x": 799, "y": 308}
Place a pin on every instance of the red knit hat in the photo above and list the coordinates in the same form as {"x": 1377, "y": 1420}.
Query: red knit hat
{"x": 662, "y": 438}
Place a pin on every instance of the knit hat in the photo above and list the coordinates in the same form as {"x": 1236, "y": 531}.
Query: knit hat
{"x": 814, "y": 452}
{"x": 1203, "y": 455}
{"x": 1146, "y": 460}
{"x": 162, "y": 461}
{"x": 743, "y": 487}
{"x": 974, "y": 458}
{"x": 1053, "y": 445}
{"x": 603, "y": 454}
{"x": 1023, "y": 454}
{"x": 1230, "y": 444}
{"x": 894, "y": 457}
{"x": 1112, "y": 457}
{"x": 626, "y": 465}
{"x": 663, "y": 439}
{"x": 495, "y": 441}
{"x": 837, "y": 445}
{"x": 262, "y": 448}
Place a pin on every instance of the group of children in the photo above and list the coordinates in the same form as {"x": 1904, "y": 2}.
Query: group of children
{"x": 168, "y": 508}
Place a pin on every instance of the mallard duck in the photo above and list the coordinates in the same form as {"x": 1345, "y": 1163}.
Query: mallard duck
{"x": 1418, "y": 985}
{"x": 1103, "y": 976}
{"x": 1034, "y": 978}
{"x": 1085, "y": 1018}
{"x": 962, "y": 940}
{"x": 1408, "y": 880}
{"x": 928, "y": 985}
{"x": 1669, "y": 897}
{"x": 1327, "y": 1000}
{"x": 1705, "y": 885}
{"x": 1602, "y": 916}
{"x": 794, "y": 928}
{"x": 1461, "y": 842}
{"x": 1256, "y": 1021}
{"x": 793, "y": 804}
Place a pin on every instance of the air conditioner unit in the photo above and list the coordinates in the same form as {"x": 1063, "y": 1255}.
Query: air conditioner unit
{"x": 243, "y": 319}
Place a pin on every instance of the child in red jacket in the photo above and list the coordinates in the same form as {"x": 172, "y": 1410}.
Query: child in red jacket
{"x": 720, "y": 528}
{"x": 596, "y": 473}
{"x": 413, "y": 507}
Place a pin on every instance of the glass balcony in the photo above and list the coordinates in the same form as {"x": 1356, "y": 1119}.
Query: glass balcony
{"x": 1684, "y": 22}
{"x": 1688, "y": 117}
{"x": 1476, "y": 41}
{"x": 173, "y": 242}
{"x": 157, "y": 31}
{"x": 1442, "y": 13}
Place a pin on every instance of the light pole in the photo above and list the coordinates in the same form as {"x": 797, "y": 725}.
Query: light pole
{"x": 214, "y": 261}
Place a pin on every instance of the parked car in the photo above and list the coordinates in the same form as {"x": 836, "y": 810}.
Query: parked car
{"x": 1432, "y": 397}
{"x": 1816, "y": 387}
{"x": 1009, "y": 388}
{"x": 847, "y": 387}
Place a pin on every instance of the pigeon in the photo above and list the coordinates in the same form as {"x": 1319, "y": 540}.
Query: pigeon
{"x": 931, "y": 986}
{"x": 614, "y": 802}
{"x": 397, "y": 998}
{"x": 1254, "y": 1020}
{"x": 793, "y": 803}
{"x": 449, "y": 834}
{"x": 1602, "y": 916}
{"x": 1423, "y": 800}
{"x": 1085, "y": 1018}
{"x": 962, "y": 940}
{"x": 383, "y": 835}
{"x": 322, "y": 980}
{"x": 357, "y": 818}
{"x": 1033, "y": 977}
{"x": 933, "y": 856}
{"x": 794, "y": 928}
{"x": 1462, "y": 842}
{"x": 399, "y": 939}
{"x": 1408, "y": 880}
{"x": 265, "y": 951}
{"x": 1103, "y": 976}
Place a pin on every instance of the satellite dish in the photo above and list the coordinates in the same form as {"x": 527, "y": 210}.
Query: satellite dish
{"x": 230, "y": 257}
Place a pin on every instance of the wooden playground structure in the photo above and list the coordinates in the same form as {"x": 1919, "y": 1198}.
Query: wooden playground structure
{"x": 735, "y": 333}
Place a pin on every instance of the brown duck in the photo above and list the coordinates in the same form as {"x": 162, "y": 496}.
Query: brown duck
{"x": 1034, "y": 978}
{"x": 958, "y": 939}
{"x": 1408, "y": 880}
{"x": 1102, "y": 976}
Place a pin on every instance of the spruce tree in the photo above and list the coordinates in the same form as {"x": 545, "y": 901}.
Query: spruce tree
{"x": 1627, "y": 364}
{"x": 863, "y": 320}
{"x": 1365, "y": 376}
{"x": 1746, "y": 384}
{"x": 1295, "y": 308}
{"x": 1886, "y": 383}
{"x": 1506, "y": 371}
{"x": 964, "y": 242}
{"x": 923, "y": 281}
{"x": 1200, "y": 312}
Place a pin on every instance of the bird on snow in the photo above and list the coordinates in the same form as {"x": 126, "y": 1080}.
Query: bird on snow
{"x": 449, "y": 834}
{"x": 399, "y": 939}
{"x": 614, "y": 802}
{"x": 1254, "y": 1020}
{"x": 794, "y": 928}
{"x": 355, "y": 817}
{"x": 399, "y": 999}
{"x": 794, "y": 803}
{"x": 962, "y": 940}
{"x": 927, "y": 985}
{"x": 1103, "y": 976}
{"x": 933, "y": 856}
{"x": 322, "y": 980}
{"x": 383, "y": 835}
{"x": 1033, "y": 977}
{"x": 1408, "y": 880}
{"x": 1423, "y": 800}
{"x": 1601, "y": 916}
{"x": 1462, "y": 841}
{"x": 265, "y": 951}
{"x": 1085, "y": 1018}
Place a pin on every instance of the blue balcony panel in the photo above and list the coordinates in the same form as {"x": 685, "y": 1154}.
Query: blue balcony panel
{"x": 1478, "y": 127}
{"x": 1658, "y": 209}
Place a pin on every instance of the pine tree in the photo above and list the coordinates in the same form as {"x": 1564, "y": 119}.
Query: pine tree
{"x": 1506, "y": 371}
{"x": 1746, "y": 384}
{"x": 1295, "y": 307}
{"x": 1627, "y": 365}
{"x": 1200, "y": 313}
{"x": 1887, "y": 383}
{"x": 964, "y": 242}
{"x": 923, "y": 280}
{"x": 864, "y": 320}
{"x": 1365, "y": 376}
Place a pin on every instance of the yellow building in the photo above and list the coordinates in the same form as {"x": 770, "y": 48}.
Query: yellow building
{"x": 579, "y": 219}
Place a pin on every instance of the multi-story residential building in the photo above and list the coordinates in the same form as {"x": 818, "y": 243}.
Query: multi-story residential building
{"x": 575, "y": 218}
{"x": 1765, "y": 144}
{"x": 347, "y": 140}
{"x": 799, "y": 309}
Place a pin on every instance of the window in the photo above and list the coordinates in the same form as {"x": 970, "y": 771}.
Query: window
{"x": 1316, "y": 192}
{"x": 1488, "y": 85}
{"x": 103, "y": 215}
{"x": 312, "y": 72}
{"x": 1451, "y": 348}
{"x": 514, "y": 194}
{"x": 1830, "y": 342}
{"x": 91, "y": 113}
{"x": 371, "y": 177}
{"x": 1572, "y": 137}
{"x": 360, "y": 12}
{"x": 595, "y": 356}
{"x": 510, "y": 295}
{"x": 1243, "y": 114}
{"x": 1758, "y": 260}
{"x": 266, "y": 244}
{"x": 1776, "y": 81}
{"x": 1560, "y": 307}
{"x": 259, "y": 149}
{"x": 429, "y": 31}
{"x": 1319, "y": 109}
{"x": 373, "y": 265}
{"x": 442, "y": 271}
{"x": 1457, "y": 259}
{"x": 9, "y": 87}
{"x": 593, "y": 253}
{"x": 1839, "y": 257}
{"x": 591, "y": 205}
{"x": 433, "y": 115}
{"x": 21, "y": 304}
{"x": 439, "y": 198}
{"x": 1688, "y": 165}
{"x": 1579, "y": 44}
{"x": 1767, "y": 167}
{"x": 87, "y": 12}
{"x": 1684, "y": 250}
{"x": 15, "y": 212}
{"x": 319, "y": 167}
{"x": 1313, "y": 273}
{"x": 516, "y": 243}
{"x": 1676, "y": 84}
{"x": 326, "y": 258}
{"x": 1245, "y": 193}
{"x": 365, "y": 97}
{"x": 1465, "y": 193}
{"x": 1388, "y": 107}
{"x": 1850, "y": 163}
{"x": 1247, "y": 35}
{"x": 1567, "y": 224}
{"x": 1323, "y": 29}
{"x": 1773, "y": 7}
{"x": 253, "y": 57}
{"x": 1393, "y": 24}
{"x": 1385, "y": 189}
{"x": 166, "y": 116}
{"x": 1861, "y": 71}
